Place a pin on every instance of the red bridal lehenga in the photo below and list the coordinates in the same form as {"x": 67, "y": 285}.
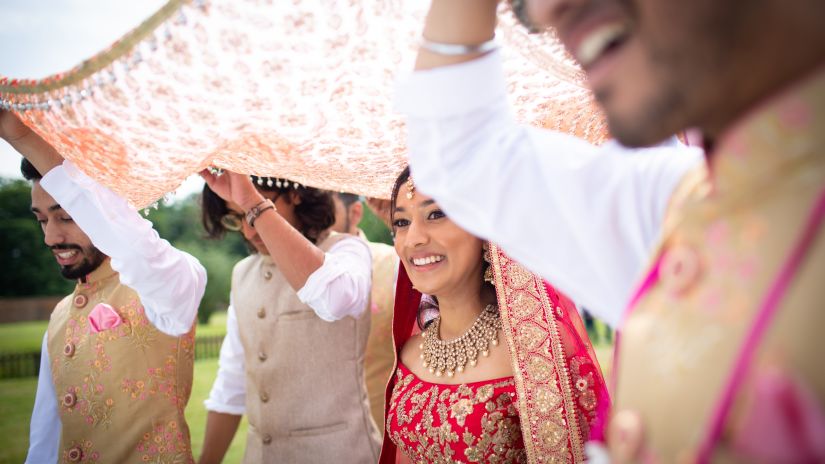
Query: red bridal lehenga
{"x": 555, "y": 401}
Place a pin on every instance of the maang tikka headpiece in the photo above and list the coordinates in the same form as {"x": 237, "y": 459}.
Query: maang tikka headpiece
{"x": 410, "y": 188}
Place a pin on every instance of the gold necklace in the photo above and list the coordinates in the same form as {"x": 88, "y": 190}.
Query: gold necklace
{"x": 439, "y": 356}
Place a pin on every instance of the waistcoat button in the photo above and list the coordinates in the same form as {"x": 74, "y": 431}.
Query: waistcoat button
{"x": 80, "y": 300}
{"x": 68, "y": 350}
{"x": 680, "y": 269}
{"x": 75, "y": 454}
{"x": 69, "y": 400}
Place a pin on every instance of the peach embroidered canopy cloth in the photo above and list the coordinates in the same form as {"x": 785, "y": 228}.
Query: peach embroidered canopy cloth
{"x": 296, "y": 89}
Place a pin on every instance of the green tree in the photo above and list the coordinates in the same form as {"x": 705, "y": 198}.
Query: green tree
{"x": 180, "y": 224}
{"x": 374, "y": 228}
{"x": 33, "y": 270}
{"x": 218, "y": 263}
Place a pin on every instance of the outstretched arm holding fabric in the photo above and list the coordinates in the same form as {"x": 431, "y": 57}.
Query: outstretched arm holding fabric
{"x": 296, "y": 256}
{"x": 470, "y": 23}
{"x": 169, "y": 283}
{"x": 42, "y": 155}
{"x": 583, "y": 217}
{"x": 288, "y": 226}
{"x": 334, "y": 284}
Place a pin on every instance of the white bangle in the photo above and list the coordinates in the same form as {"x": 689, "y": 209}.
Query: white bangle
{"x": 458, "y": 49}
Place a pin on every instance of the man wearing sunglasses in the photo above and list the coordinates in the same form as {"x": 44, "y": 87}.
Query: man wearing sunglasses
{"x": 297, "y": 327}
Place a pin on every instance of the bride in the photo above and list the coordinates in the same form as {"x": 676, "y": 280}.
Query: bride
{"x": 503, "y": 373}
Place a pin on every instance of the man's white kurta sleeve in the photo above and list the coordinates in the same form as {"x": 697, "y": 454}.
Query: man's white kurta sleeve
{"x": 228, "y": 394}
{"x": 170, "y": 282}
{"x": 583, "y": 217}
{"x": 45, "y": 426}
{"x": 341, "y": 286}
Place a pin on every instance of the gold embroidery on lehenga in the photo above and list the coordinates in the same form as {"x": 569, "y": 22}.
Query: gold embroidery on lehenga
{"x": 426, "y": 442}
{"x": 584, "y": 384}
{"x": 540, "y": 369}
{"x": 543, "y": 384}
{"x": 524, "y": 305}
{"x": 530, "y": 336}
{"x": 546, "y": 400}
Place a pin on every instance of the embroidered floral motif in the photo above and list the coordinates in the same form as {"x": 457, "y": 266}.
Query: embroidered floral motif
{"x": 582, "y": 370}
{"x": 534, "y": 318}
{"x": 531, "y": 336}
{"x": 79, "y": 451}
{"x": 90, "y": 401}
{"x": 95, "y": 375}
{"x": 166, "y": 443}
{"x": 101, "y": 362}
{"x": 138, "y": 325}
{"x": 159, "y": 381}
{"x": 455, "y": 423}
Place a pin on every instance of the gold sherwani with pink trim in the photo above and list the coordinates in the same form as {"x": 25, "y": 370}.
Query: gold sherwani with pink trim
{"x": 727, "y": 234}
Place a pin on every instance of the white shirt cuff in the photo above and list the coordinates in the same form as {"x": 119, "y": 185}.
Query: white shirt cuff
{"x": 341, "y": 286}
{"x": 223, "y": 408}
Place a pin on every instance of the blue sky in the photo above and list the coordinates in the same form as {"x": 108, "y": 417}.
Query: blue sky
{"x": 43, "y": 37}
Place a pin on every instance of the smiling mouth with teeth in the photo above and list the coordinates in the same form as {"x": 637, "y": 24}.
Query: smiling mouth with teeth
{"x": 67, "y": 254}
{"x": 600, "y": 41}
{"x": 427, "y": 260}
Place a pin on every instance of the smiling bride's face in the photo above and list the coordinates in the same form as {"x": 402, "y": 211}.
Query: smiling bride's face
{"x": 439, "y": 256}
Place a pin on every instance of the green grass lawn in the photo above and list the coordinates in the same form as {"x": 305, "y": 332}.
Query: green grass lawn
{"x": 17, "y": 395}
{"x": 216, "y": 326}
{"x": 205, "y": 371}
{"x": 17, "y": 399}
{"x": 22, "y": 336}
{"x": 28, "y": 336}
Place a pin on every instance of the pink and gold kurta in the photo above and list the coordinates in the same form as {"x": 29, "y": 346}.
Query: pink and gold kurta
{"x": 727, "y": 234}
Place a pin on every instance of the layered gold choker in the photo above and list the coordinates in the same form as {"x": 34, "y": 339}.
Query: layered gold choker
{"x": 439, "y": 356}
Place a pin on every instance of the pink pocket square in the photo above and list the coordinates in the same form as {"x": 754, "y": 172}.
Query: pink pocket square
{"x": 103, "y": 317}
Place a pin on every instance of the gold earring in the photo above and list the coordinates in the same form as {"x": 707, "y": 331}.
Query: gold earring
{"x": 488, "y": 258}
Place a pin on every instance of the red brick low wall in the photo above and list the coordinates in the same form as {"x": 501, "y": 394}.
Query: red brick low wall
{"x": 27, "y": 309}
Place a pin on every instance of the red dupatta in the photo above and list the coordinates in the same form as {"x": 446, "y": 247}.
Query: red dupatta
{"x": 562, "y": 397}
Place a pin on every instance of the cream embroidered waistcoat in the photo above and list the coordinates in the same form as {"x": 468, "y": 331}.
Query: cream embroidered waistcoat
{"x": 379, "y": 357}
{"x": 725, "y": 240}
{"x": 306, "y": 399}
{"x": 121, "y": 392}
